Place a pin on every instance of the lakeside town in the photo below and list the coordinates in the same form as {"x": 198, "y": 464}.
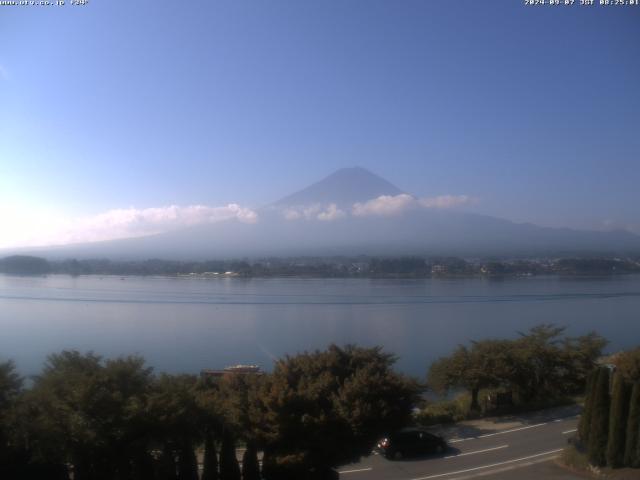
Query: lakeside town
{"x": 358, "y": 267}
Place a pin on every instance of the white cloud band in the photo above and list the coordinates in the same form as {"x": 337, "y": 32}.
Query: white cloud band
{"x": 118, "y": 223}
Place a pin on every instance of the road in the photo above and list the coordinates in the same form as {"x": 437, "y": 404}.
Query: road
{"x": 474, "y": 456}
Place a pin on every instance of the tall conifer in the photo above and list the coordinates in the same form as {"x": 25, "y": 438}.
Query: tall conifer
{"x": 618, "y": 416}
{"x": 210, "y": 467}
{"x": 229, "y": 468}
{"x": 585, "y": 419}
{"x": 597, "y": 446}
{"x": 632, "y": 445}
{"x": 250, "y": 464}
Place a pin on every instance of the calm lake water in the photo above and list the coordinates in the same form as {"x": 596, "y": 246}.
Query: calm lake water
{"x": 186, "y": 324}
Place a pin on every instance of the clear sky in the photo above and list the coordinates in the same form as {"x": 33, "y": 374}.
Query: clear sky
{"x": 532, "y": 110}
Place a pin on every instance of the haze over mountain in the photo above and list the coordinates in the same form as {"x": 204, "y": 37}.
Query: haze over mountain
{"x": 351, "y": 212}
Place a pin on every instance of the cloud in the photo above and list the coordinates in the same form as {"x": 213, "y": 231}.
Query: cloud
{"x": 307, "y": 212}
{"x": 610, "y": 225}
{"x": 316, "y": 211}
{"x": 120, "y": 223}
{"x": 446, "y": 201}
{"x": 331, "y": 213}
{"x": 389, "y": 205}
{"x": 385, "y": 205}
{"x": 132, "y": 221}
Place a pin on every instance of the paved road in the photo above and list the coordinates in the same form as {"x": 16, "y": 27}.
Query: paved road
{"x": 482, "y": 455}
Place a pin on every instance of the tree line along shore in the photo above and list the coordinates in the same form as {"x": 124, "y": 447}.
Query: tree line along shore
{"x": 85, "y": 417}
{"x": 359, "y": 266}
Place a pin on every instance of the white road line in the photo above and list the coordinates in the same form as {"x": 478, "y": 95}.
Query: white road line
{"x": 489, "y": 466}
{"x": 502, "y": 432}
{"x": 356, "y": 470}
{"x": 512, "y": 430}
{"x": 477, "y": 451}
{"x": 569, "y": 431}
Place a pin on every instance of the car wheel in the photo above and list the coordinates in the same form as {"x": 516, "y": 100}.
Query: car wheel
{"x": 397, "y": 455}
{"x": 439, "y": 449}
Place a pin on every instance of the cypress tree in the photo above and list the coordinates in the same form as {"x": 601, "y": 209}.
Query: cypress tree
{"x": 597, "y": 446}
{"x": 250, "y": 465}
{"x": 143, "y": 465}
{"x": 210, "y": 471}
{"x": 187, "y": 463}
{"x": 229, "y": 468}
{"x": 618, "y": 417}
{"x": 269, "y": 470}
{"x": 167, "y": 465}
{"x": 585, "y": 419}
{"x": 632, "y": 446}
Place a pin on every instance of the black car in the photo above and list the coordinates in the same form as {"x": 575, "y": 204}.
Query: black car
{"x": 411, "y": 442}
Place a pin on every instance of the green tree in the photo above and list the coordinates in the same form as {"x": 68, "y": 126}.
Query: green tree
{"x": 580, "y": 355}
{"x": 539, "y": 362}
{"x": 486, "y": 364}
{"x": 619, "y": 412}
{"x": 632, "y": 444}
{"x": 94, "y": 412}
{"x": 597, "y": 446}
{"x": 628, "y": 364}
{"x": 180, "y": 422}
{"x": 327, "y": 408}
{"x": 238, "y": 398}
{"x": 89, "y": 413}
{"x": 10, "y": 390}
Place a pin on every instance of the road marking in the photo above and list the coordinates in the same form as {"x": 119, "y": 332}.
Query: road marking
{"x": 512, "y": 430}
{"x": 356, "y": 470}
{"x": 569, "y": 431}
{"x": 477, "y": 451}
{"x": 489, "y": 466}
{"x": 502, "y": 432}
{"x": 505, "y": 468}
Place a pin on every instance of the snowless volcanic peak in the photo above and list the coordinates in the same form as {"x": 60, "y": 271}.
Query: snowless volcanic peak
{"x": 344, "y": 187}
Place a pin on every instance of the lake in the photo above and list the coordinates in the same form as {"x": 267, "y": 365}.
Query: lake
{"x": 186, "y": 324}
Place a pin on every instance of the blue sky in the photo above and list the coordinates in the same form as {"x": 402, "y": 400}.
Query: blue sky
{"x": 534, "y": 111}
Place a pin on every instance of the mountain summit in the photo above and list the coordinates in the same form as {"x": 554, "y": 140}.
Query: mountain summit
{"x": 343, "y": 187}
